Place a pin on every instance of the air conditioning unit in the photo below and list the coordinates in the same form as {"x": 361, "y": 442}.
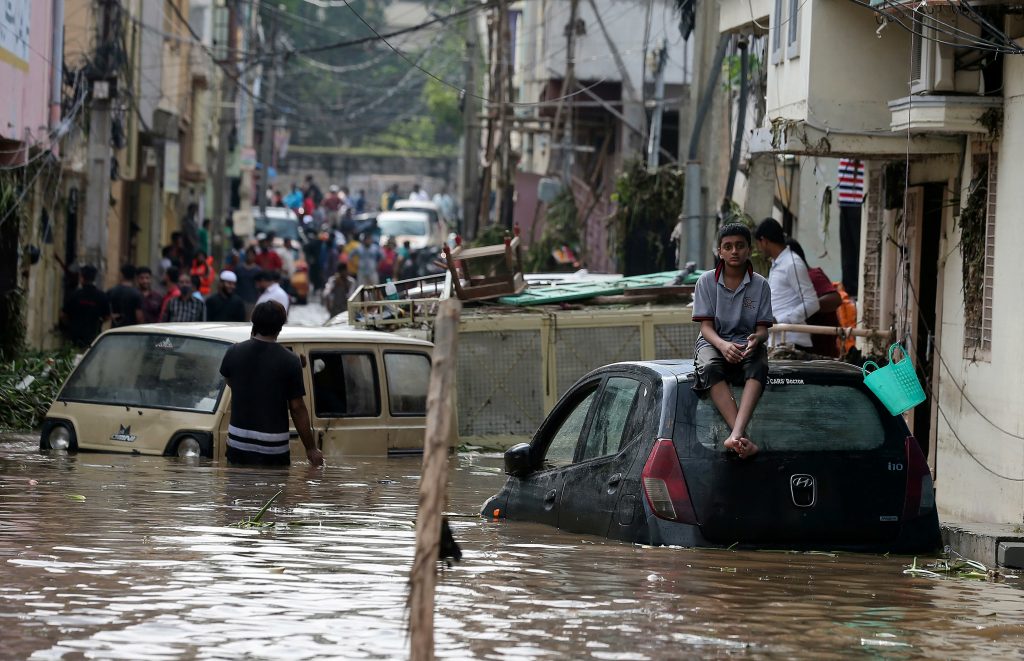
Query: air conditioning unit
{"x": 933, "y": 64}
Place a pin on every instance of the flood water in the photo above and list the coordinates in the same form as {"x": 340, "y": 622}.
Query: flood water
{"x": 147, "y": 566}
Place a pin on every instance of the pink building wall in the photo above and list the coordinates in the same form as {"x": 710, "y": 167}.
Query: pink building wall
{"x": 25, "y": 83}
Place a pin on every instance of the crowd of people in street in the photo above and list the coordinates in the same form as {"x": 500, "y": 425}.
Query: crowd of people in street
{"x": 185, "y": 286}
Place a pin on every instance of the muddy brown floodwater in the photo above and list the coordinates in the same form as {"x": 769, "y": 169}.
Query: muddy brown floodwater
{"x": 122, "y": 557}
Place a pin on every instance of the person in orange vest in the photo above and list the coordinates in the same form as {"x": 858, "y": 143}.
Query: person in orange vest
{"x": 202, "y": 267}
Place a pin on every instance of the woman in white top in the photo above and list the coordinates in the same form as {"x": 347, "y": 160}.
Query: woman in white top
{"x": 793, "y": 295}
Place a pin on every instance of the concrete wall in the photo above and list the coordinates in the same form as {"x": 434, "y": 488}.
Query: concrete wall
{"x": 842, "y": 76}
{"x": 820, "y": 243}
{"x": 969, "y": 489}
{"x": 25, "y": 76}
{"x": 545, "y": 46}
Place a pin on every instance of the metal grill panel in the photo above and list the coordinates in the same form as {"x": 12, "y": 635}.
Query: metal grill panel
{"x": 499, "y": 383}
{"x": 580, "y": 350}
{"x": 674, "y": 340}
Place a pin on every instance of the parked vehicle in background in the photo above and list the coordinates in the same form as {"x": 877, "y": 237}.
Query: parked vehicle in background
{"x": 157, "y": 389}
{"x": 631, "y": 453}
{"x": 416, "y": 227}
{"x": 436, "y": 215}
{"x": 279, "y": 220}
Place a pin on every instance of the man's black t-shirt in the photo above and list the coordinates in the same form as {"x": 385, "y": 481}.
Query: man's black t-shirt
{"x": 86, "y": 308}
{"x": 264, "y": 377}
{"x": 225, "y": 308}
{"x": 124, "y": 301}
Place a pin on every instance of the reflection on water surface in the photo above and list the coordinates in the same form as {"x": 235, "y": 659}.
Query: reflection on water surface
{"x": 147, "y": 565}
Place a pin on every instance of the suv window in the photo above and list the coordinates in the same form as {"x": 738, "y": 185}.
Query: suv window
{"x": 805, "y": 418}
{"x": 563, "y": 442}
{"x": 344, "y": 384}
{"x": 613, "y": 413}
{"x": 408, "y": 377}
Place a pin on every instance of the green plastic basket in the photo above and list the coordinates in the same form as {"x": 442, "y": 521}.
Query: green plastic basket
{"x": 896, "y": 384}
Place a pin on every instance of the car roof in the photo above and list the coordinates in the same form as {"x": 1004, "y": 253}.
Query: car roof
{"x": 683, "y": 367}
{"x": 239, "y": 332}
{"x": 403, "y": 215}
{"x": 416, "y": 204}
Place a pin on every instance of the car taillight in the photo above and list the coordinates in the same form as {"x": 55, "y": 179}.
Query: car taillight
{"x": 665, "y": 486}
{"x": 920, "y": 492}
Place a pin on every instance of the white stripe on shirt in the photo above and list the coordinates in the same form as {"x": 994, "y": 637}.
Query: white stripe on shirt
{"x": 257, "y": 435}
{"x": 260, "y": 449}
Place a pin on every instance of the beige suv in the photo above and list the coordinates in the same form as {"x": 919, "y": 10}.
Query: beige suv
{"x": 157, "y": 389}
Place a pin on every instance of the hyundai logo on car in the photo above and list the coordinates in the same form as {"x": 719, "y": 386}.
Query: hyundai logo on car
{"x": 803, "y": 490}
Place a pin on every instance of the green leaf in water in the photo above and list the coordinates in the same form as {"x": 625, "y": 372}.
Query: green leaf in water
{"x": 74, "y": 496}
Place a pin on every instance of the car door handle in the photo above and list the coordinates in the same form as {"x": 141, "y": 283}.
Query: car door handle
{"x": 549, "y": 497}
{"x": 614, "y": 479}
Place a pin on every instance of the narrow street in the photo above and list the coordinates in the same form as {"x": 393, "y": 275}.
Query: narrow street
{"x": 119, "y": 556}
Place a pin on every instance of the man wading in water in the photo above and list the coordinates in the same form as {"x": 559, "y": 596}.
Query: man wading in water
{"x": 266, "y": 384}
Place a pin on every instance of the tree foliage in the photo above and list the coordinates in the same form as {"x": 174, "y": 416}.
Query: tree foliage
{"x": 366, "y": 94}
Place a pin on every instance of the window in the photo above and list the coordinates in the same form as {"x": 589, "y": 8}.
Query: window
{"x": 563, "y": 442}
{"x": 805, "y": 418}
{"x": 978, "y": 245}
{"x": 776, "y": 29}
{"x": 793, "y": 29}
{"x": 150, "y": 370}
{"x": 607, "y": 433}
{"x": 345, "y": 385}
{"x": 408, "y": 377}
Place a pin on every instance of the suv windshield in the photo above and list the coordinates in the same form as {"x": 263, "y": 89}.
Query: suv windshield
{"x": 797, "y": 418}
{"x": 150, "y": 371}
{"x": 286, "y": 228}
{"x": 402, "y": 227}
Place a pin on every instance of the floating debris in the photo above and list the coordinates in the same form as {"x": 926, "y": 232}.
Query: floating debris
{"x": 954, "y": 565}
{"x": 256, "y": 521}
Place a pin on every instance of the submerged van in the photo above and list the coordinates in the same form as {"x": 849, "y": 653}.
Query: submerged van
{"x": 157, "y": 389}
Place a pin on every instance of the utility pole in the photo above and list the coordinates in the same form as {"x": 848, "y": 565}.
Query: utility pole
{"x": 226, "y": 119}
{"x": 267, "y": 141}
{"x": 654, "y": 139}
{"x": 504, "y": 192}
{"x": 493, "y": 86}
{"x": 470, "y": 136}
{"x": 567, "y": 88}
{"x": 97, "y": 205}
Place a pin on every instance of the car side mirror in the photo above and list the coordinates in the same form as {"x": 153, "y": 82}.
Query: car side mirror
{"x": 517, "y": 460}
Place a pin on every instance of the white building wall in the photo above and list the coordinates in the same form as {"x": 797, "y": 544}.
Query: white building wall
{"x": 839, "y": 76}
{"x": 969, "y": 487}
{"x": 820, "y": 241}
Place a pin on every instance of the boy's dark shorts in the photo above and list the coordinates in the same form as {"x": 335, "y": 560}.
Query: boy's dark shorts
{"x": 711, "y": 368}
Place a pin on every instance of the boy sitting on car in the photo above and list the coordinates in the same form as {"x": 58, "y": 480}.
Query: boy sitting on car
{"x": 733, "y": 306}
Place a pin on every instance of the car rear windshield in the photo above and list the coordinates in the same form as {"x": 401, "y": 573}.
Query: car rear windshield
{"x": 150, "y": 371}
{"x": 797, "y": 418}
{"x": 402, "y": 227}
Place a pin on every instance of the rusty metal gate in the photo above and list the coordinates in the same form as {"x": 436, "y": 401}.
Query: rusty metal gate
{"x": 512, "y": 368}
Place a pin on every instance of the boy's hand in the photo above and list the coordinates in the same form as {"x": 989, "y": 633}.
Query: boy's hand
{"x": 733, "y": 353}
{"x": 753, "y": 342}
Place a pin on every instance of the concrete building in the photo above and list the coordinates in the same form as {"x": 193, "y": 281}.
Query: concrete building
{"x": 31, "y": 129}
{"x": 923, "y": 99}
{"x": 615, "y": 45}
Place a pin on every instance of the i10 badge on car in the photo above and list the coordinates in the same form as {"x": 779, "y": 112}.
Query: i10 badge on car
{"x": 631, "y": 452}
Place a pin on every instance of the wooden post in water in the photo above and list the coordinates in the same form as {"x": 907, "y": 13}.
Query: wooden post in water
{"x": 433, "y": 482}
